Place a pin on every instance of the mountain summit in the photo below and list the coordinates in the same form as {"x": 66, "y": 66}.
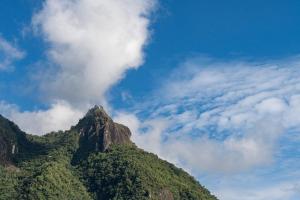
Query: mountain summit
{"x": 98, "y": 131}
{"x": 93, "y": 160}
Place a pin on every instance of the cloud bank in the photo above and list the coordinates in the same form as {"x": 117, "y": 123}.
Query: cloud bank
{"x": 91, "y": 44}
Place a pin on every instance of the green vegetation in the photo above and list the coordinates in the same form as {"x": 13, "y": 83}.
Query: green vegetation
{"x": 8, "y": 183}
{"x": 126, "y": 172}
{"x": 53, "y": 180}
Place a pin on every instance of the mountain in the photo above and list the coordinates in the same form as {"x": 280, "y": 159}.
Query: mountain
{"x": 93, "y": 160}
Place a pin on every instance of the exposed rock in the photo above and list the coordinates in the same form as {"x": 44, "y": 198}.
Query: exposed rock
{"x": 166, "y": 194}
{"x": 10, "y": 138}
{"x": 5, "y": 156}
{"x": 98, "y": 131}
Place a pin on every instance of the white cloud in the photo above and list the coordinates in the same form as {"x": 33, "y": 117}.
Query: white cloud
{"x": 199, "y": 154}
{"x": 272, "y": 105}
{"x": 58, "y": 117}
{"x": 8, "y": 54}
{"x": 285, "y": 190}
{"x": 93, "y": 43}
{"x": 151, "y": 140}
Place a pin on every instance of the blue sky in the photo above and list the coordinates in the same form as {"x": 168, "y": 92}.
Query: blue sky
{"x": 211, "y": 86}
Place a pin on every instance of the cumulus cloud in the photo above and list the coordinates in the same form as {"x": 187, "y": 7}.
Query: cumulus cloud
{"x": 221, "y": 116}
{"x": 9, "y": 53}
{"x": 91, "y": 44}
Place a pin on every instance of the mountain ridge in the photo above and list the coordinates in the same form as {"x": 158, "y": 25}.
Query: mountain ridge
{"x": 93, "y": 160}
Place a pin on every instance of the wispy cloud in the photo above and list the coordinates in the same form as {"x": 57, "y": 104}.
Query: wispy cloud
{"x": 223, "y": 116}
{"x": 9, "y": 53}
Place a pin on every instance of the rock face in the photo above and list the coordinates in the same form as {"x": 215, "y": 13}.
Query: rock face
{"x": 98, "y": 131}
{"x": 166, "y": 194}
{"x": 11, "y": 138}
{"x": 5, "y": 154}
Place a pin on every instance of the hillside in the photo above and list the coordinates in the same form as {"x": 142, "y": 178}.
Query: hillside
{"x": 93, "y": 160}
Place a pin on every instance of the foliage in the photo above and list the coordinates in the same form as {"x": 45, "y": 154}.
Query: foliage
{"x": 126, "y": 172}
{"x": 53, "y": 180}
{"x": 8, "y": 184}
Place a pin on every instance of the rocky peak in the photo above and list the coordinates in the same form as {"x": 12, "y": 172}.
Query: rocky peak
{"x": 97, "y": 113}
{"x": 98, "y": 131}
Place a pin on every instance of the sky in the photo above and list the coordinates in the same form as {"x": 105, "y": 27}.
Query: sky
{"x": 211, "y": 86}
